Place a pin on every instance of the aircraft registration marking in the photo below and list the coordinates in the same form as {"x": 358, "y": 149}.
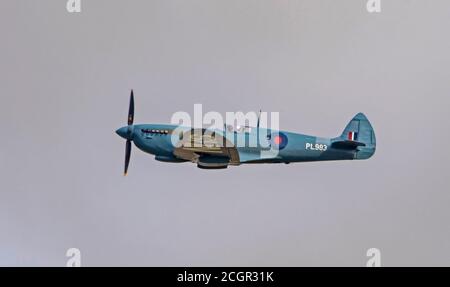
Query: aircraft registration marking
{"x": 319, "y": 147}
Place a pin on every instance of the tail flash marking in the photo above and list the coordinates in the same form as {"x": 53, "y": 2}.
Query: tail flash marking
{"x": 353, "y": 136}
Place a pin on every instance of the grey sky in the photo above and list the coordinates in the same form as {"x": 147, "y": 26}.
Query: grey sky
{"x": 65, "y": 81}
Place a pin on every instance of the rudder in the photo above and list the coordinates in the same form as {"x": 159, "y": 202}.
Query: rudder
{"x": 360, "y": 131}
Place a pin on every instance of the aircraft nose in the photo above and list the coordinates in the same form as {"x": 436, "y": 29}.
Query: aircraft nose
{"x": 123, "y": 132}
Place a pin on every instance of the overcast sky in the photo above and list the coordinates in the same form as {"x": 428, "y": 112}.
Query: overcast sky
{"x": 64, "y": 88}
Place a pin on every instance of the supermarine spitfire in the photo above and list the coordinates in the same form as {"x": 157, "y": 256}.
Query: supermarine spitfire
{"x": 357, "y": 141}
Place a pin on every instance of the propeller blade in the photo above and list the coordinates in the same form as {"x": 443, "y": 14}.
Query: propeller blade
{"x": 131, "y": 109}
{"x": 127, "y": 156}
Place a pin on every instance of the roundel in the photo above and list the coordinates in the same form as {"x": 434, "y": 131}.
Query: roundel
{"x": 279, "y": 140}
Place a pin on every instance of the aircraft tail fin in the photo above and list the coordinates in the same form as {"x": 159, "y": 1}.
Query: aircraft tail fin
{"x": 358, "y": 135}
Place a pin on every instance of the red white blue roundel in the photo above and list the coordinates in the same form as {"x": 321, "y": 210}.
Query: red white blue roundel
{"x": 279, "y": 140}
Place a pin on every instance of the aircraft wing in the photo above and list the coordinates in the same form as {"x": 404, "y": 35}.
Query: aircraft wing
{"x": 208, "y": 150}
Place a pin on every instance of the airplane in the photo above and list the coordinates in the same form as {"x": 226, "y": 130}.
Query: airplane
{"x": 356, "y": 142}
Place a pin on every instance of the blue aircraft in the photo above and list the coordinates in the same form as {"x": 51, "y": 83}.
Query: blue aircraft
{"x": 356, "y": 142}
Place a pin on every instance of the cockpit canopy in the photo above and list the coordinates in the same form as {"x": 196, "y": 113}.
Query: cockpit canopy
{"x": 238, "y": 129}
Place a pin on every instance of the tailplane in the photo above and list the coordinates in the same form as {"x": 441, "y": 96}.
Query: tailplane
{"x": 358, "y": 135}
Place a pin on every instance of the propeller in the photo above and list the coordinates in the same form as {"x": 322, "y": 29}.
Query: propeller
{"x": 127, "y": 156}
{"x": 129, "y": 132}
{"x": 131, "y": 109}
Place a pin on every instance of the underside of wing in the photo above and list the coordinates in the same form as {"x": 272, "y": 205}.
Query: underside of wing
{"x": 208, "y": 150}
